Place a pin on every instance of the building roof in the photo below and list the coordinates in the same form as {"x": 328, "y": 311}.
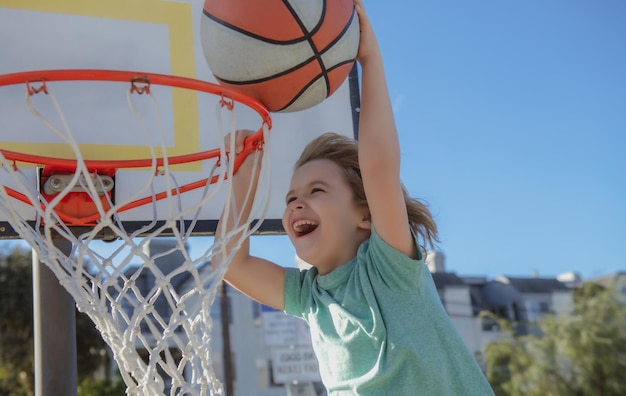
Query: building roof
{"x": 534, "y": 285}
{"x": 443, "y": 279}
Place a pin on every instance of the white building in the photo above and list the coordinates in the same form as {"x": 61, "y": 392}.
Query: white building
{"x": 617, "y": 281}
{"x": 521, "y": 301}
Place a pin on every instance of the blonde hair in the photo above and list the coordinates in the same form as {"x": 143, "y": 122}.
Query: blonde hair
{"x": 344, "y": 152}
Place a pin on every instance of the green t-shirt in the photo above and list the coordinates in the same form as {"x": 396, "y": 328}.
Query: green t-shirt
{"x": 378, "y": 327}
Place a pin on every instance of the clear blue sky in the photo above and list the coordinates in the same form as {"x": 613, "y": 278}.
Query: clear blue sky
{"x": 512, "y": 120}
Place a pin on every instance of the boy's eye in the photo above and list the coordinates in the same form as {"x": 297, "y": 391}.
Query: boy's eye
{"x": 316, "y": 189}
{"x": 291, "y": 199}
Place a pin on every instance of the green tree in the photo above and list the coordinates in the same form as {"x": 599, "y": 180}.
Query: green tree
{"x": 106, "y": 387}
{"x": 16, "y": 334}
{"x": 16, "y": 323}
{"x": 582, "y": 353}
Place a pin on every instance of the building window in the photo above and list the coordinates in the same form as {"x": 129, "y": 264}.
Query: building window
{"x": 256, "y": 310}
{"x": 536, "y": 310}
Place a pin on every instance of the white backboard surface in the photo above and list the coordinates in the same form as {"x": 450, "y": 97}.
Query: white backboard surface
{"x": 148, "y": 36}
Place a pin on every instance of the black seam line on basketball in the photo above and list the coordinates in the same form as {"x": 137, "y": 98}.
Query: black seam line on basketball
{"x": 340, "y": 35}
{"x": 271, "y": 77}
{"x": 250, "y": 34}
{"x": 284, "y": 72}
{"x": 297, "y": 96}
{"x": 309, "y": 37}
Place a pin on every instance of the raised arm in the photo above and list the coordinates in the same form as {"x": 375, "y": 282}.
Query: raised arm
{"x": 259, "y": 279}
{"x": 379, "y": 148}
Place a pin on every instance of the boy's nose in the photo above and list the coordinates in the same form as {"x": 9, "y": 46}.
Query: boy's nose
{"x": 296, "y": 204}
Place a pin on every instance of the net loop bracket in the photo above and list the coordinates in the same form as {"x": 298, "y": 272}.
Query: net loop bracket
{"x": 140, "y": 85}
{"x": 253, "y": 143}
{"x": 31, "y": 90}
{"x": 229, "y": 103}
{"x": 218, "y": 161}
{"x": 258, "y": 145}
{"x": 159, "y": 172}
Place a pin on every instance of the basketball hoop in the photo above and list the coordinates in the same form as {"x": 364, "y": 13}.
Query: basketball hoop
{"x": 74, "y": 199}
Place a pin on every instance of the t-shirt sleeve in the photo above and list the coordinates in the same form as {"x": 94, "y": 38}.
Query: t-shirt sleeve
{"x": 395, "y": 269}
{"x": 294, "y": 297}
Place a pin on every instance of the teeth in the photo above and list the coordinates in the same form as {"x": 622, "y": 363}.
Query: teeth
{"x": 300, "y": 225}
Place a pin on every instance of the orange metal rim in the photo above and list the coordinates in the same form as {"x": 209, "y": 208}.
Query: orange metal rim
{"x": 139, "y": 82}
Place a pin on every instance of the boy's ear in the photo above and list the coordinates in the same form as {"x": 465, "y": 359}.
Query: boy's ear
{"x": 366, "y": 220}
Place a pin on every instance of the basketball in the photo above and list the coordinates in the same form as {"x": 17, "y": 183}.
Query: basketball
{"x": 288, "y": 54}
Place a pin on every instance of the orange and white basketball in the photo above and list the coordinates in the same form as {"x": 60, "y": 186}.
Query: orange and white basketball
{"x": 288, "y": 54}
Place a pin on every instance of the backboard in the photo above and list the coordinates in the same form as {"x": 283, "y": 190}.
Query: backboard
{"x": 154, "y": 36}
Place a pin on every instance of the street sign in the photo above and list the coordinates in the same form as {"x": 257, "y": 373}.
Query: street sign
{"x": 289, "y": 338}
{"x": 294, "y": 364}
{"x": 282, "y": 330}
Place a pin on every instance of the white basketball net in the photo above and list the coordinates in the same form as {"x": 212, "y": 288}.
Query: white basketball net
{"x": 156, "y": 321}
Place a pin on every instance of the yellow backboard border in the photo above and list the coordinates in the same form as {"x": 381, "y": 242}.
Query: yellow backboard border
{"x": 177, "y": 16}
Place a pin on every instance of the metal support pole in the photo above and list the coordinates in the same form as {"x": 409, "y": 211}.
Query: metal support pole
{"x": 226, "y": 350}
{"x": 54, "y": 331}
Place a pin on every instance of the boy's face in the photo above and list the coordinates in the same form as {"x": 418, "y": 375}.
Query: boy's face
{"x": 321, "y": 219}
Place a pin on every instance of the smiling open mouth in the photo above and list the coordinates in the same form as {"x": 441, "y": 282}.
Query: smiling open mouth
{"x": 304, "y": 227}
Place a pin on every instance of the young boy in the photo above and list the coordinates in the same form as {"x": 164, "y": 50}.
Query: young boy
{"x": 377, "y": 324}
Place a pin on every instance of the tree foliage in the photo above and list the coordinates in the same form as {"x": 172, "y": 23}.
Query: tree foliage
{"x": 105, "y": 387}
{"x": 582, "y": 353}
{"x": 16, "y": 324}
{"x": 16, "y": 334}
